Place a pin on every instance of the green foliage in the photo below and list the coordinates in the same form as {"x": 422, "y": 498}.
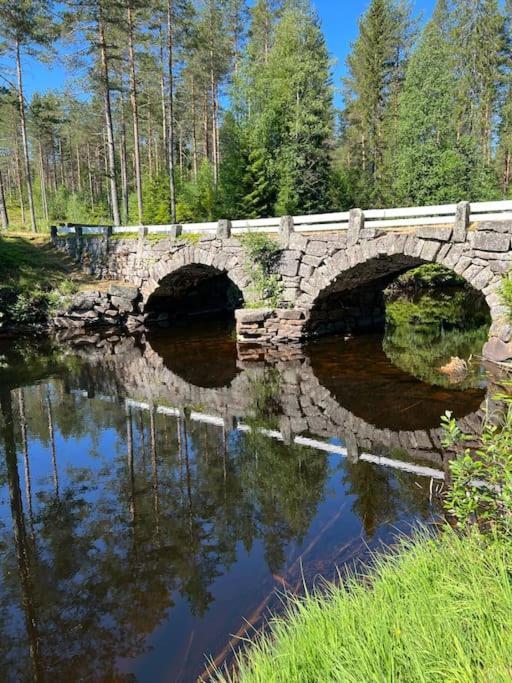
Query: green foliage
{"x": 435, "y": 610}
{"x": 506, "y": 293}
{"x": 263, "y": 254}
{"x": 481, "y": 476}
{"x": 198, "y": 200}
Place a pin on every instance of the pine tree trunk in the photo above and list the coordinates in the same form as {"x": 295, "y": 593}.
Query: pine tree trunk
{"x": 4, "y": 216}
{"x": 124, "y": 166}
{"x": 165, "y": 134}
{"x": 89, "y": 176}
{"x": 78, "y": 170}
{"x": 170, "y": 85}
{"x": 135, "y": 112}
{"x": 43, "y": 184}
{"x": 111, "y": 154}
{"x": 18, "y": 181}
{"x": 24, "y": 139}
{"x": 194, "y": 131}
{"x": 215, "y": 149}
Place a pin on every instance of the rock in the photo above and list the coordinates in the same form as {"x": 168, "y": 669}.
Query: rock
{"x": 491, "y": 241}
{"x": 252, "y": 315}
{"x": 432, "y": 232}
{"x": 502, "y": 330}
{"x": 497, "y": 350}
{"x": 290, "y": 313}
{"x": 456, "y": 369}
{"x": 127, "y": 292}
{"x": 123, "y": 305}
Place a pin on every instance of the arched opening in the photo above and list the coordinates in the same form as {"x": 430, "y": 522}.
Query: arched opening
{"x": 193, "y": 291}
{"x": 428, "y": 321}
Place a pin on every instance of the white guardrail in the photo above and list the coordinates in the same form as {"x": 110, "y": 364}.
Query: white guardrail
{"x": 381, "y": 219}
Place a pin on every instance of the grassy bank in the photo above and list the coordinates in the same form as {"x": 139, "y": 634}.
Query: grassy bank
{"x": 436, "y": 610}
{"x": 34, "y": 279}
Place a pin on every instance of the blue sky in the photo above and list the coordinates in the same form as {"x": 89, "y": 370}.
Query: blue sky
{"x": 339, "y": 20}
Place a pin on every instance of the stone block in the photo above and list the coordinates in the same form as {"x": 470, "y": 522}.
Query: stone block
{"x": 252, "y": 315}
{"x": 316, "y": 248}
{"x": 355, "y": 226}
{"x": 492, "y": 241}
{"x": 429, "y": 251}
{"x": 501, "y": 330}
{"x": 289, "y": 268}
{"x": 127, "y": 292}
{"x": 433, "y": 232}
{"x": 462, "y": 218}
{"x": 122, "y": 305}
{"x": 286, "y": 230}
{"x": 497, "y": 350}
{"x": 224, "y": 229}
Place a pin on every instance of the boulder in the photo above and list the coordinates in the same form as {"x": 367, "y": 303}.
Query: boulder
{"x": 128, "y": 292}
{"x": 497, "y": 350}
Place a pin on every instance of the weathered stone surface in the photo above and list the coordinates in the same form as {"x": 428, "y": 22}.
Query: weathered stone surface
{"x": 497, "y": 350}
{"x": 124, "y": 292}
{"x": 256, "y": 315}
{"x": 491, "y": 241}
{"x": 433, "y": 232}
{"x": 502, "y": 330}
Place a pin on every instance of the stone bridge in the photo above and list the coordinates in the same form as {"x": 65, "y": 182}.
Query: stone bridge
{"x": 329, "y": 282}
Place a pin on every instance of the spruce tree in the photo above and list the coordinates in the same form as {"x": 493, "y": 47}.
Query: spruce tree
{"x": 292, "y": 126}
{"x": 376, "y": 66}
{"x": 430, "y": 165}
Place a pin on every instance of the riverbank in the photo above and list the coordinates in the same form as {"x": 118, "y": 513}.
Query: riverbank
{"x": 435, "y": 610}
{"x": 35, "y": 280}
{"x": 432, "y": 609}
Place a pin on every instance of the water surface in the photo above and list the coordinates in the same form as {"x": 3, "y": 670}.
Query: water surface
{"x": 154, "y": 492}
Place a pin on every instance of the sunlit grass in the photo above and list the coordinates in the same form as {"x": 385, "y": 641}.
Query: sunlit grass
{"x": 437, "y": 610}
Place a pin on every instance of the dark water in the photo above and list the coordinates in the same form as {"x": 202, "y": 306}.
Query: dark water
{"x": 154, "y": 492}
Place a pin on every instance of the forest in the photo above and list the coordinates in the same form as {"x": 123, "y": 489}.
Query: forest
{"x": 189, "y": 110}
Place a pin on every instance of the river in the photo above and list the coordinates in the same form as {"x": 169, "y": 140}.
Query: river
{"x": 156, "y": 491}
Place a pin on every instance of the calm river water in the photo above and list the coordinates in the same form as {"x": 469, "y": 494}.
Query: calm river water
{"x": 154, "y": 492}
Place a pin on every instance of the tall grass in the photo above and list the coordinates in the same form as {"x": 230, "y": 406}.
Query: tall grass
{"x": 436, "y": 610}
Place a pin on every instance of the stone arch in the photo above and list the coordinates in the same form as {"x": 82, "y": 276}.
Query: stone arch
{"x": 204, "y": 260}
{"x": 391, "y": 254}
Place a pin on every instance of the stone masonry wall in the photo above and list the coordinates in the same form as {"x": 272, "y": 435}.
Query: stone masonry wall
{"x": 315, "y": 270}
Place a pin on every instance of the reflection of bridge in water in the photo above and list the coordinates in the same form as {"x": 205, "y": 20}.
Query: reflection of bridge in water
{"x": 307, "y": 413}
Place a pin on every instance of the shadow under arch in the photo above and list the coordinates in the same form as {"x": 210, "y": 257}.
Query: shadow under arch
{"x": 193, "y": 290}
{"x": 345, "y": 292}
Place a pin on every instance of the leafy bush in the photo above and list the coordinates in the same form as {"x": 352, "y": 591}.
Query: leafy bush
{"x": 481, "y": 488}
{"x": 506, "y": 293}
{"x": 263, "y": 254}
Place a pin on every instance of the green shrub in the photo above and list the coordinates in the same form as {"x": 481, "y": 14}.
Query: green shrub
{"x": 263, "y": 254}
{"x": 481, "y": 487}
{"x": 506, "y": 293}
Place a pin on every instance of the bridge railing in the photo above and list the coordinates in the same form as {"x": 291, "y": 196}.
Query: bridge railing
{"x": 378, "y": 219}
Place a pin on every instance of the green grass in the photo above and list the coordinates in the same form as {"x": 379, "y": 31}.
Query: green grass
{"x": 436, "y": 610}
{"x": 34, "y": 279}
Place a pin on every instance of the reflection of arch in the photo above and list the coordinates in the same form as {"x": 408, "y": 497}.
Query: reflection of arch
{"x": 306, "y": 406}
{"x": 194, "y": 264}
{"x": 380, "y": 260}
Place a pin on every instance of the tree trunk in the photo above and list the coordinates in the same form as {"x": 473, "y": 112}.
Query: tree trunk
{"x": 124, "y": 166}
{"x": 18, "y": 180}
{"x": 170, "y": 85}
{"x": 135, "y": 111}
{"x": 111, "y": 154}
{"x": 215, "y": 139}
{"x": 24, "y": 139}
{"x": 4, "y": 216}
{"x": 78, "y": 170}
{"x": 194, "y": 131}
{"x": 44, "y": 199}
{"x": 165, "y": 134}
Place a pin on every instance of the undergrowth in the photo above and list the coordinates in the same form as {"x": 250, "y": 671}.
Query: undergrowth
{"x": 263, "y": 255}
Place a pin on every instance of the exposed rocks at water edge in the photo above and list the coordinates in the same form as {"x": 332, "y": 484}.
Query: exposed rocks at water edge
{"x": 117, "y": 306}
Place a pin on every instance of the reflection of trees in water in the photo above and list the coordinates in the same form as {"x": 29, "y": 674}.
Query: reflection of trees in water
{"x": 115, "y": 537}
{"x": 423, "y": 332}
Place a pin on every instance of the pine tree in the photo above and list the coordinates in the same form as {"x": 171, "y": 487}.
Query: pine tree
{"x": 26, "y": 25}
{"x": 430, "y": 166}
